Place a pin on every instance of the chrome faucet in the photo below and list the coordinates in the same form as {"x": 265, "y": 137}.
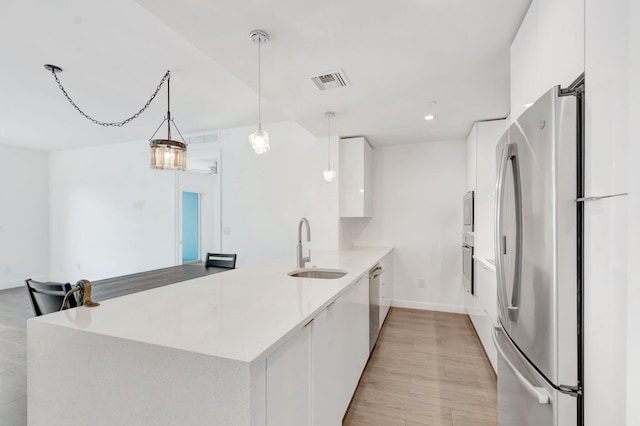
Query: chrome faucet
{"x": 301, "y": 259}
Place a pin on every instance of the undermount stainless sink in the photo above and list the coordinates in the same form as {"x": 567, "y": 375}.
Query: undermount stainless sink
{"x": 322, "y": 273}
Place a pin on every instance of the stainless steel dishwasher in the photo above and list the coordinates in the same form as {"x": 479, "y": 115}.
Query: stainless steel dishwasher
{"x": 374, "y": 305}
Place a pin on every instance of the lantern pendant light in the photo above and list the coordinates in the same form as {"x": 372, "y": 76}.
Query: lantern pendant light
{"x": 260, "y": 138}
{"x": 329, "y": 174}
{"x": 168, "y": 154}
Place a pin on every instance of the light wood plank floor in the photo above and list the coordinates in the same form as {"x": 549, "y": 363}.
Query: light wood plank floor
{"x": 428, "y": 368}
{"x": 14, "y": 311}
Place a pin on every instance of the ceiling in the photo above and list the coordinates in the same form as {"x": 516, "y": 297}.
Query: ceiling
{"x": 114, "y": 54}
{"x": 399, "y": 57}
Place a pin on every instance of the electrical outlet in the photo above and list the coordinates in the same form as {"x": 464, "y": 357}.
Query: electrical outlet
{"x": 421, "y": 283}
{"x": 79, "y": 266}
{"x": 7, "y": 269}
{"x": 227, "y": 230}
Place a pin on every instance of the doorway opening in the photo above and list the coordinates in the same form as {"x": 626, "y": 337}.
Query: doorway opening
{"x": 190, "y": 227}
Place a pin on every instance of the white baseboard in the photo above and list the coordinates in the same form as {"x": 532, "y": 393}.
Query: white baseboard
{"x": 411, "y": 304}
{"x": 11, "y": 284}
{"x": 4, "y": 285}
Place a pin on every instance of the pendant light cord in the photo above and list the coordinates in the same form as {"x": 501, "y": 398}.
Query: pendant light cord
{"x": 168, "y": 118}
{"x": 166, "y": 78}
{"x": 329, "y": 142}
{"x": 259, "y": 87}
{"x": 168, "y": 106}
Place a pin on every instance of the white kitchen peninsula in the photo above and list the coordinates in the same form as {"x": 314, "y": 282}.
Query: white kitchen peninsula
{"x": 225, "y": 349}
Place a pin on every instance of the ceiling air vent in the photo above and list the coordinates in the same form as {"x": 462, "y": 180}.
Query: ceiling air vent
{"x": 205, "y": 138}
{"x": 331, "y": 80}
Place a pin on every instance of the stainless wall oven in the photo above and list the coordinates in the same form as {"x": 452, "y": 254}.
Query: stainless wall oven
{"x": 467, "y": 212}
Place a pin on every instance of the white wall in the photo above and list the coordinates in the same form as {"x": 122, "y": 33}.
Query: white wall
{"x": 110, "y": 213}
{"x": 264, "y": 196}
{"x": 418, "y": 192}
{"x": 209, "y": 188}
{"x": 24, "y": 223}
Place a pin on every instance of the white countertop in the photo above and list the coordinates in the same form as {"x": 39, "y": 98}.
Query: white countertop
{"x": 487, "y": 263}
{"x": 242, "y": 314}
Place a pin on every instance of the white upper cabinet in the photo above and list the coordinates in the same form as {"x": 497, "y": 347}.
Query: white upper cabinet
{"x": 470, "y": 176}
{"x": 356, "y": 178}
{"x": 548, "y": 50}
{"x": 560, "y": 42}
{"x": 607, "y": 97}
{"x": 524, "y": 59}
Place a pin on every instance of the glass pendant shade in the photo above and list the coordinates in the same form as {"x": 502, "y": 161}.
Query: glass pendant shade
{"x": 329, "y": 174}
{"x": 260, "y": 141}
{"x": 167, "y": 154}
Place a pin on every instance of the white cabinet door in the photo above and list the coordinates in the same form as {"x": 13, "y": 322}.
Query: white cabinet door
{"x": 606, "y": 270}
{"x": 607, "y": 97}
{"x": 482, "y": 307}
{"x": 356, "y": 178}
{"x": 340, "y": 348}
{"x": 560, "y": 42}
{"x": 524, "y": 63}
{"x": 356, "y": 347}
{"x": 328, "y": 364}
{"x": 548, "y": 50}
{"x": 288, "y": 382}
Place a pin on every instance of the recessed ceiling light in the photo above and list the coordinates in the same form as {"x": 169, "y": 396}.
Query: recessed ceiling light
{"x": 430, "y": 117}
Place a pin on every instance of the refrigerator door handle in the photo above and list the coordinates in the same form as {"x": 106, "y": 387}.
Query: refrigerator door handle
{"x": 517, "y": 276}
{"x": 500, "y": 246}
{"x": 535, "y": 391}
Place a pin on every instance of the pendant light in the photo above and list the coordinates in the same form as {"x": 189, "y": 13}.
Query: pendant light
{"x": 329, "y": 174}
{"x": 260, "y": 138}
{"x": 168, "y": 154}
{"x": 165, "y": 153}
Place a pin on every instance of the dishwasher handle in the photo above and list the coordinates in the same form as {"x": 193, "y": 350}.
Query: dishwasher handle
{"x": 376, "y": 272}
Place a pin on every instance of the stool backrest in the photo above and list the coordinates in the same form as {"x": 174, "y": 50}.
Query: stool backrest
{"x": 221, "y": 260}
{"x": 47, "y": 297}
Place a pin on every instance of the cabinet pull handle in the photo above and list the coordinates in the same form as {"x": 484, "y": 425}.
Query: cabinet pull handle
{"x": 583, "y": 199}
{"x": 330, "y": 304}
{"x": 308, "y": 323}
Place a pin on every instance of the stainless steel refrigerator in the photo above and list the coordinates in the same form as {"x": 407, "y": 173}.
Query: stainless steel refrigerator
{"x": 538, "y": 263}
